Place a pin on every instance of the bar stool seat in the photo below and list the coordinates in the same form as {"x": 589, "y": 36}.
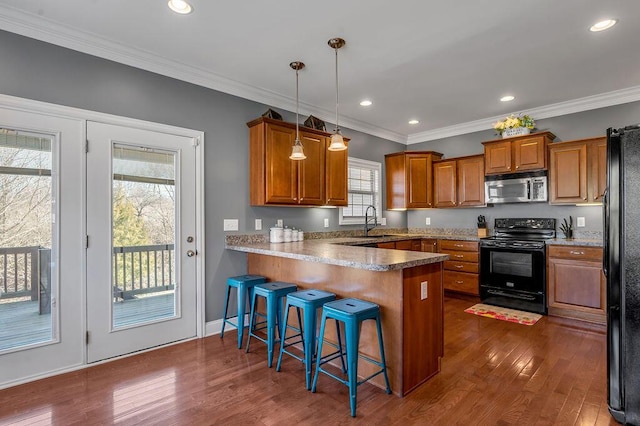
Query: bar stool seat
{"x": 352, "y": 312}
{"x": 274, "y": 293}
{"x": 309, "y": 301}
{"x": 244, "y": 291}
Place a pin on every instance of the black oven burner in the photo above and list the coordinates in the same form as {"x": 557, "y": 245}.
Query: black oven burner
{"x": 512, "y": 264}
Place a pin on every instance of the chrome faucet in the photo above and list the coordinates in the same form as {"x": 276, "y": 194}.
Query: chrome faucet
{"x": 367, "y": 219}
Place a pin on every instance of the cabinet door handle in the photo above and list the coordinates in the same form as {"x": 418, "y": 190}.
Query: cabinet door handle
{"x": 517, "y": 167}
{"x": 578, "y": 253}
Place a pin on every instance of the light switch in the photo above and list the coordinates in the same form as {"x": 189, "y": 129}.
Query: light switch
{"x": 258, "y": 224}
{"x": 231, "y": 224}
{"x": 326, "y": 222}
{"x": 427, "y": 221}
{"x": 383, "y": 221}
{"x": 580, "y": 222}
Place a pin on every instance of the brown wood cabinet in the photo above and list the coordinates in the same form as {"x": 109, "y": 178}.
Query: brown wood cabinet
{"x": 428, "y": 245}
{"x": 459, "y": 182}
{"x": 575, "y": 283}
{"x": 274, "y": 179}
{"x": 462, "y": 269}
{"x": 409, "y": 179}
{"x": 578, "y": 171}
{"x": 517, "y": 154}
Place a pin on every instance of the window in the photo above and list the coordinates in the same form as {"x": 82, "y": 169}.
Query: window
{"x": 364, "y": 190}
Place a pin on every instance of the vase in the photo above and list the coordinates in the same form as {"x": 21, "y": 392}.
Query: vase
{"x": 516, "y": 131}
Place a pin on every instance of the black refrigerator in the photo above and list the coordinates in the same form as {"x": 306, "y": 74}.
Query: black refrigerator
{"x": 621, "y": 266}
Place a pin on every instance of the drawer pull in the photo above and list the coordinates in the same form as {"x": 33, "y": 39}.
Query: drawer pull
{"x": 459, "y": 256}
{"x": 459, "y": 282}
{"x": 458, "y": 245}
{"x": 459, "y": 266}
{"x": 577, "y": 253}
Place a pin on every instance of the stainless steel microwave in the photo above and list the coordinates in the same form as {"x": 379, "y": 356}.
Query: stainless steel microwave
{"x": 516, "y": 188}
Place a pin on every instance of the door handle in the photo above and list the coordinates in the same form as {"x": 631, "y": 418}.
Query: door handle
{"x": 191, "y": 253}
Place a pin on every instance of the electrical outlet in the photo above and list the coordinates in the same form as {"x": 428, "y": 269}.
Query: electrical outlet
{"x": 258, "y": 224}
{"x": 427, "y": 221}
{"x": 326, "y": 222}
{"x": 279, "y": 223}
{"x": 580, "y": 222}
{"x": 424, "y": 290}
{"x": 231, "y": 224}
{"x": 383, "y": 221}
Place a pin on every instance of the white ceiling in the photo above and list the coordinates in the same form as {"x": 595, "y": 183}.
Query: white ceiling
{"x": 445, "y": 63}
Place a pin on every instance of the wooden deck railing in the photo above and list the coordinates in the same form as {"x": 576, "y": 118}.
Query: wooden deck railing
{"x": 26, "y": 272}
{"x": 142, "y": 269}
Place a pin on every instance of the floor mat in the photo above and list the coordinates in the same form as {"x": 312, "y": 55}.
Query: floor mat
{"x": 504, "y": 314}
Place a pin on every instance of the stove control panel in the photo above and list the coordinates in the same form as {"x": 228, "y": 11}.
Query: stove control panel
{"x": 524, "y": 224}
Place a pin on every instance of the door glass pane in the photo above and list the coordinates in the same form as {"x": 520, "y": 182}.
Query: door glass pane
{"x": 144, "y": 212}
{"x": 27, "y": 238}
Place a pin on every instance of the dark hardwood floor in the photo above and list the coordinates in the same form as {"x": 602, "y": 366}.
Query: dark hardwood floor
{"x": 493, "y": 373}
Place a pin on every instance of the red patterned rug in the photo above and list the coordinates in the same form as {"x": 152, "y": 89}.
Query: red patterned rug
{"x": 504, "y": 314}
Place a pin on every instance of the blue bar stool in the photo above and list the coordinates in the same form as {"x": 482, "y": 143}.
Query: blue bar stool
{"x": 309, "y": 301}
{"x": 352, "y": 312}
{"x": 244, "y": 291}
{"x": 274, "y": 293}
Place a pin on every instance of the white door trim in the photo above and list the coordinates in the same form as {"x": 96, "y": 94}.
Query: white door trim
{"x": 29, "y": 105}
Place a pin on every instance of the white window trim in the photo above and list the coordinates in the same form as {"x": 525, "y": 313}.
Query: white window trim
{"x": 358, "y": 162}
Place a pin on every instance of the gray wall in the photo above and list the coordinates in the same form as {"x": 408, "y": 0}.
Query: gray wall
{"x": 568, "y": 127}
{"x": 35, "y": 70}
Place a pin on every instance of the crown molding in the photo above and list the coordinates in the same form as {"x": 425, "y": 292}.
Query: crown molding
{"x": 42, "y": 29}
{"x": 603, "y": 100}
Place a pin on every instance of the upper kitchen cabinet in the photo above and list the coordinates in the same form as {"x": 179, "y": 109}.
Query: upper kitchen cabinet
{"x": 578, "y": 171}
{"x": 517, "y": 154}
{"x": 409, "y": 179}
{"x": 275, "y": 179}
{"x": 459, "y": 182}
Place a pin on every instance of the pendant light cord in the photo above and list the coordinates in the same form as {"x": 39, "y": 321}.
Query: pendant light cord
{"x": 297, "y": 120}
{"x": 337, "y": 126}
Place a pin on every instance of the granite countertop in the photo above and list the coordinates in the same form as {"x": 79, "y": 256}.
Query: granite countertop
{"x": 343, "y": 252}
{"x": 575, "y": 242}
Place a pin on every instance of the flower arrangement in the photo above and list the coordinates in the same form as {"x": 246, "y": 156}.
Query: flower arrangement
{"x": 514, "y": 122}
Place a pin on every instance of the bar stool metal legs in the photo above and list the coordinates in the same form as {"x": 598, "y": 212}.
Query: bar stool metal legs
{"x": 309, "y": 301}
{"x": 274, "y": 293}
{"x": 244, "y": 292}
{"x": 352, "y": 312}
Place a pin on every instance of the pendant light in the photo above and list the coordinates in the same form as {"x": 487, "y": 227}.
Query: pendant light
{"x": 297, "y": 151}
{"x": 337, "y": 141}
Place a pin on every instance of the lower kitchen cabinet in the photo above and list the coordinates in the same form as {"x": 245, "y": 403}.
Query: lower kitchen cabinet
{"x": 462, "y": 269}
{"x": 576, "y": 286}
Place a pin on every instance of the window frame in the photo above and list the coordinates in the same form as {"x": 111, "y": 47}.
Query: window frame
{"x": 372, "y": 165}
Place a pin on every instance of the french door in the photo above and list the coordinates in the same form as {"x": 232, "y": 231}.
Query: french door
{"x": 141, "y": 231}
{"x": 41, "y": 258}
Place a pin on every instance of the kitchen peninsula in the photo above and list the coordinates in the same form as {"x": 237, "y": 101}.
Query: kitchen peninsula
{"x": 407, "y": 285}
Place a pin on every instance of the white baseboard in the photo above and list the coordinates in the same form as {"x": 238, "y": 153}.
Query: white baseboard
{"x": 212, "y": 328}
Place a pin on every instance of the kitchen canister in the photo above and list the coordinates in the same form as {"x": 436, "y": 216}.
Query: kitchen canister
{"x": 300, "y": 235}
{"x": 287, "y": 235}
{"x": 294, "y": 235}
{"x": 276, "y": 235}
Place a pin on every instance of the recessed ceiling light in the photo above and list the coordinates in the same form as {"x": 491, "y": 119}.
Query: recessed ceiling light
{"x": 413, "y": 121}
{"x": 180, "y": 6}
{"x": 507, "y": 98}
{"x": 603, "y": 25}
{"x": 366, "y": 102}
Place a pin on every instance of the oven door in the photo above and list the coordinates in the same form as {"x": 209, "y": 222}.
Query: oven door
{"x": 514, "y": 277}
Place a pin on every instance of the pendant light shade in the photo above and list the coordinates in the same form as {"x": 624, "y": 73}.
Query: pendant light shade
{"x": 337, "y": 141}
{"x": 297, "y": 151}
